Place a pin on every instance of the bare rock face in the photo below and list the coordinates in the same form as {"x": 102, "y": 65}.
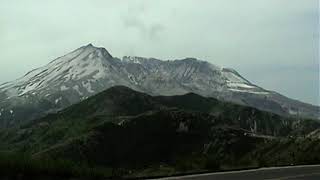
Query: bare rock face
{"x": 89, "y": 70}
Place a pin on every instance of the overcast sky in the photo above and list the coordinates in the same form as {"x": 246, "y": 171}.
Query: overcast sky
{"x": 273, "y": 43}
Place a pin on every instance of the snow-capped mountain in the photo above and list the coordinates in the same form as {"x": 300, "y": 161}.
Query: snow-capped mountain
{"x": 89, "y": 70}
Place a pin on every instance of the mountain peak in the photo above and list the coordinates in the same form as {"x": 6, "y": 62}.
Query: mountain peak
{"x": 89, "y": 45}
{"x": 101, "y": 51}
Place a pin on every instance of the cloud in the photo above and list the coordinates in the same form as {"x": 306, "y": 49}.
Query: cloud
{"x": 136, "y": 18}
{"x": 146, "y": 31}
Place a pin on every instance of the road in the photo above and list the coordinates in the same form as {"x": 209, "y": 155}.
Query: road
{"x": 309, "y": 172}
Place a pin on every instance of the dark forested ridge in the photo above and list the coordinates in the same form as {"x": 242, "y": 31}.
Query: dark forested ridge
{"x": 122, "y": 132}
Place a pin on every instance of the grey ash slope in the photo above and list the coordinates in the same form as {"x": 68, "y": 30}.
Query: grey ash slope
{"x": 89, "y": 70}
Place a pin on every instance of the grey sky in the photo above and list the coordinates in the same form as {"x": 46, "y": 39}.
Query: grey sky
{"x": 273, "y": 43}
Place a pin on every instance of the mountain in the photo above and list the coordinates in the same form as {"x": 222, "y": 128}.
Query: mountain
{"x": 89, "y": 70}
{"x": 131, "y": 130}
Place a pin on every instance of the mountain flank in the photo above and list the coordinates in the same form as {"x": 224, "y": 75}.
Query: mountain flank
{"x": 89, "y": 70}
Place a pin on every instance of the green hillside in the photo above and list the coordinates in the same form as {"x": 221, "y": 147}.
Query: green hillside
{"x": 121, "y": 132}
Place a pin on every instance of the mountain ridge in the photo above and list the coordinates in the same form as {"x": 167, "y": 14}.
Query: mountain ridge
{"x": 89, "y": 70}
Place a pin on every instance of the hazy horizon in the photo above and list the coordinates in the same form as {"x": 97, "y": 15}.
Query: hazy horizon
{"x": 274, "y": 44}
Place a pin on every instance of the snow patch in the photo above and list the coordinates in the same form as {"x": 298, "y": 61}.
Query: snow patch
{"x": 87, "y": 85}
{"x": 240, "y": 85}
{"x": 248, "y": 91}
{"x": 58, "y": 100}
{"x": 131, "y": 59}
{"x": 64, "y": 88}
{"x": 28, "y": 88}
{"x": 84, "y": 98}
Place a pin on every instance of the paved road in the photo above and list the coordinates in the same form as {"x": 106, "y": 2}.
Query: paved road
{"x": 311, "y": 172}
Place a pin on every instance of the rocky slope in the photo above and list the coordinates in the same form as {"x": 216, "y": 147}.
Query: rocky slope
{"x": 89, "y": 70}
